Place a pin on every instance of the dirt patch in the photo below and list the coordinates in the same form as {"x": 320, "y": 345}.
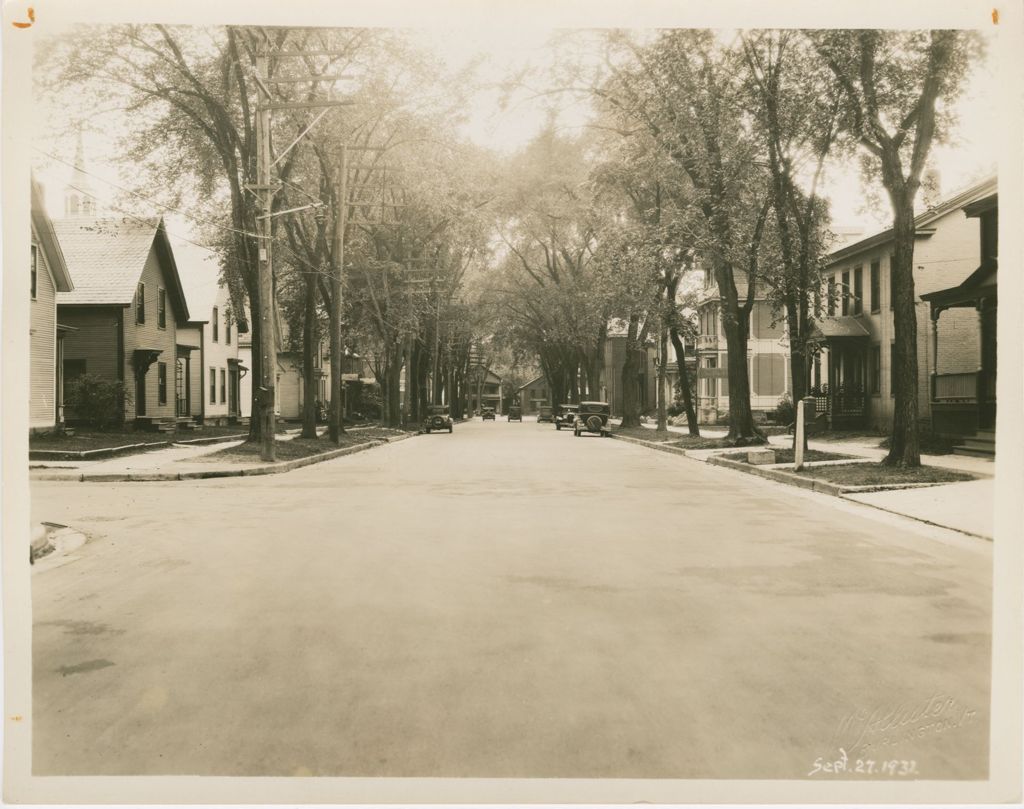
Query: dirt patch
{"x": 786, "y": 455}
{"x": 297, "y": 447}
{"x": 84, "y": 440}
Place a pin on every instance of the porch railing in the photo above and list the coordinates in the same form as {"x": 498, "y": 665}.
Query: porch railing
{"x": 843, "y": 401}
{"x": 955, "y": 386}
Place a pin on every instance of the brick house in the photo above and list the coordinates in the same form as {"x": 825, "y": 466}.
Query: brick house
{"x": 46, "y": 336}
{"x": 853, "y": 373}
{"x": 126, "y": 311}
{"x": 963, "y": 403}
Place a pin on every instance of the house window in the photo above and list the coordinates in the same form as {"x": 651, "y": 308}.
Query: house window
{"x": 161, "y": 382}
{"x": 223, "y": 386}
{"x": 227, "y": 329}
{"x": 140, "y": 304}
{"x": 161, "y": 308}
{"x": 875, "y": 370}
{"x": 892, "y": 280}
{"x": 858, "y": 290}
{"x": 876, "y": 286}
{"x": 215, "y": 320}
{"x": 73, "y": 369}
{"x": 769, "y": 375}
{"x": 213, "y": 386}
{"x": 845, "y": 292}
{"x": 831, "y": 296}
{"x": 34, "y": 259}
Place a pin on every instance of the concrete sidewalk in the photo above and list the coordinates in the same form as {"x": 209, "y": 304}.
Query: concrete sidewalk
{"x": 967, "y": 507}
{"x": 180, "y": 460}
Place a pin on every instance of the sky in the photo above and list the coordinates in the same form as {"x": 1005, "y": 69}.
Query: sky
{"x": 499, "y": 53}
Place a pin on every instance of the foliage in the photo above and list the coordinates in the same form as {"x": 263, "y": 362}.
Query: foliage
{"x": 97, "y": 401}
{"x": 784, "y": 412}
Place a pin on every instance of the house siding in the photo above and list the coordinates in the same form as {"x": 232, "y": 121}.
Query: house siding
{"x": 43, "y": 346}
{"x": 941, "y": 260}
{"x": 150, "y": 335}
{"x": 217, "y": 353}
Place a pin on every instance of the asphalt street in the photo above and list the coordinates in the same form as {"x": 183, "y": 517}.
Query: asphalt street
{"x": 505, "y": 601}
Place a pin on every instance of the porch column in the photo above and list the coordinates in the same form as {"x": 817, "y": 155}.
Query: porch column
{"x": 936, "y": 311}
{"x": 979, "y": 380}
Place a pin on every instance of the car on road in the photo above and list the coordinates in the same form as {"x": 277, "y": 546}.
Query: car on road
{"x": 437, "y": 419}
{"x": 545, "y": 414}
{"x": 566, "y": 415}
{"x": 515, "y": 413}
{"x": 592, "y": 417}
{"x": 487, "y": 413}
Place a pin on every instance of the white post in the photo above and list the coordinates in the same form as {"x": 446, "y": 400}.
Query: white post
{"x": 798, "y": 460}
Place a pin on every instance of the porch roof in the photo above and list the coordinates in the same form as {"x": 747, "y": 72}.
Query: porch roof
{"x": 840, "y": 327}
{"x": 982, "y": 283}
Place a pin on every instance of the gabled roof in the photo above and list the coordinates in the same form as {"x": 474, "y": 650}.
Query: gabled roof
{"x": 921, "y": 222}
{"x": 48, "y": 241}
{"x": 533, "y": 381}
{"x": 106, "y": 257}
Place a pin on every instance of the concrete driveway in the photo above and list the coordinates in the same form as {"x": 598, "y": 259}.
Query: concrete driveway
{"x": 506, "y": 601}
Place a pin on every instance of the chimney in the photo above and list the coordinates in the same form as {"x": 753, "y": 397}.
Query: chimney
{"x": 931, "y": 188}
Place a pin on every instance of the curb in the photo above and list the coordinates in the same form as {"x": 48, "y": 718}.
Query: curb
{"x": 659, "y": 446}
{"x": 822, "y": 486}
{"x": 919, "y": 519}
{"x": 266, "y": 469}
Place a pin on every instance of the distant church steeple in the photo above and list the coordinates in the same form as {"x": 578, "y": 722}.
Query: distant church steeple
{"x": 78, "y": 196}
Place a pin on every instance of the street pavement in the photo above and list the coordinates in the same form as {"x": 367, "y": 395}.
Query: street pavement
{"x": 505, "y": 601}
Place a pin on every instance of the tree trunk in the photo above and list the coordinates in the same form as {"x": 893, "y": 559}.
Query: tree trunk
{"x": 256, "y": 416}
{"x": 662, "y": 375}
{"x": 904, "y": 447}
{"x": 630, "y": 376}
{"x": 684, "y": 381}
{"x": 309, "y": 343}
{"x": 742, "y": 430}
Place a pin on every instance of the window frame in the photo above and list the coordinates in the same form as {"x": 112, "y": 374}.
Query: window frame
{"x": 213, "y": 385}
{"x": 845, "y": 301}
{"x": 161, "y": 308}
{"x": 876, "y": 286}
{"x": 140, "y": 304}
{"x": 858, "y": 290}
{"x": 223, "y": 385}
{"x": 831, "y": 295}
{"x": 161, "y": 383}
{"x": 215, "y": 325}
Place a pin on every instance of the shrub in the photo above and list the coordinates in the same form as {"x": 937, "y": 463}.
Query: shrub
{"x": 96, "y": 401}
{"x": 784, "y": 412}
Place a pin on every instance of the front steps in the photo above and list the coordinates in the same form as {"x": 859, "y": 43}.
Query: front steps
{"x": 980, "y": 445}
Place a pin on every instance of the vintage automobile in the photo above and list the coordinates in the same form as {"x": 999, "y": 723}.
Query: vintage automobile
{"x": 437, "y": 419}
{"x": 592, "y": 417}
{"x": 545, "y": 414}
{"x": 515, "y": 413}
{"x": 566, "y": 415}
{"x": 487, "y": 413}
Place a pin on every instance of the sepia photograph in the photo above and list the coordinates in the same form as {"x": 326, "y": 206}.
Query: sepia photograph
{"x": 312, "y": 306}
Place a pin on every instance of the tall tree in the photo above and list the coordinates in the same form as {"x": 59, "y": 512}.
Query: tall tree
{"x": 897, "y": 89}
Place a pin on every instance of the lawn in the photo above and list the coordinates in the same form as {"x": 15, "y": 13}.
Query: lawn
{"x": 866, "y": 474}
{"x": 672, "y": 439}
{"x": 84, "y": 440}
{"x": 296, "y": 447}
{"x": 785, "y": 455}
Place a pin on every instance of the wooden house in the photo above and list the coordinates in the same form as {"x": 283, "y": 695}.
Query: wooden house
{"x": 50, "y": 277}
{"x": 126, "y": 311}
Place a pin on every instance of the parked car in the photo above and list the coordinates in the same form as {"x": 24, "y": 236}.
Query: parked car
{"x": 592, "y": 417}
{"x": 487, "y": 413}
{"x": 437, "y": 418}
{"x": 515, "y": 413}
{"x": 566, "y": 415}
{"x": 545, "y": 414}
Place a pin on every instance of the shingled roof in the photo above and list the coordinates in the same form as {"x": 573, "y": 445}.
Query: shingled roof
{"x": 106, "y": 258}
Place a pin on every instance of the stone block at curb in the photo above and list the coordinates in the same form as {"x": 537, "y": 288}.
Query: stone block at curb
{"x": 761, "y": 456}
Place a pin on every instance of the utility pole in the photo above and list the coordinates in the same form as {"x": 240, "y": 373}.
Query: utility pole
{"x": 336, "y": 427}
{"x": 268, "y": 343}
